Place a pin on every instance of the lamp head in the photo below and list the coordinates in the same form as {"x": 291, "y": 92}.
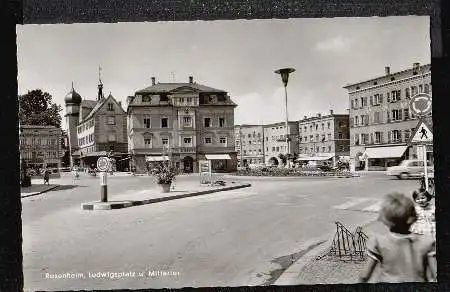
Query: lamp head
{"x": 285, "y": 74}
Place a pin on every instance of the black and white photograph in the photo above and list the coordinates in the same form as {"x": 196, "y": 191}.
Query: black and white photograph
{"x": 226, "y": 153}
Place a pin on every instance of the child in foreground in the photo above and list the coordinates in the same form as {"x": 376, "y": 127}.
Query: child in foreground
{"x": 426, "y": 222}
{"x": 402, "y": 256}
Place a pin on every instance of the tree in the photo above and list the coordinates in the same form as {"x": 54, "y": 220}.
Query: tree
{"x": 36, "y": 108}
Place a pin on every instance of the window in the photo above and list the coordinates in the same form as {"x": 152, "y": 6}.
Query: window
{"x": 378, "y": 137}
{"x": 323, "y": 148}
{"x": 111, "y": 120}
{"x": 395, "y": 95}
{"x": 147, "y": 122}
{"x": 310, "y": 128}
{"x": 278, "y": 149}
{"x": 356, "y": 139}
{"x": 407, "y": 135}
{"x": 187, "y": 121}
{"x": 187, "y": 141}
{"x": 164, "y": 122}
{"x": 317, "y": 137}
{"x": 207, "y": 122}
{"x": 356, "y": 103}
{"x": 323, "y": 126}
{"x": 396, "y": 115}
{"x": 396, "y": 136}
{"x": 317, "y": 127}
{"x": 364, "y": 101}
{"x": 273, "y": 149}
{"x": 376, "y": 117}
{"x": 147, "y": 142}
{"x": 163, "y": 97}
{"x": 328, "y": 124}
{"x": 329, "y": 137}
{"x": 340, "y": 135}
{"x": 110, "y": 106}
{"x": 165, "y": 142}
{"x": 221, "y": 122}
{"x": 317, "y": 149}
{"x": 323, "y": 138}
{"x": 420, "y": 88}
{"x": 427, "y": 88}
{"x": 311, "y": 138}
{"x": 341, "y": 148}
{"x": 413, "y": 90}
{"x": 407, "y": 95}
{"x": 364, "y": 139}
{"x": 146, "y": 98}
{"x": 222, "y": 140}
{"x": 208, "y": 140}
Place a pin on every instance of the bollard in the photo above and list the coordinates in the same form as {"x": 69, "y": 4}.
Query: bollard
{"x": 104, "y": 186}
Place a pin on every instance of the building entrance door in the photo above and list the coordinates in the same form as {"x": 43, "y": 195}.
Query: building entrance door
{"x": 188, "y": 164}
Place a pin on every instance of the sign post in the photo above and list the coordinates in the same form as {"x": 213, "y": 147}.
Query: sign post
{"x": 420, "y": 105}
{"x": 103, "y": 164}
{"x": 205, "y": 171}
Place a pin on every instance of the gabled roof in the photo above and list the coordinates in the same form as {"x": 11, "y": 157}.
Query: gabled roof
{"x": 99, "y": 104}
{"x": 169, "y": 87}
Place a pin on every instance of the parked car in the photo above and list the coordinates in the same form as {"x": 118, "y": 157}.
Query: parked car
{"x": 409, "y": 168}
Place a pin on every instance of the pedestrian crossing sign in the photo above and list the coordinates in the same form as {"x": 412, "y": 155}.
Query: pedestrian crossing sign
{"x": 422, "y": 133}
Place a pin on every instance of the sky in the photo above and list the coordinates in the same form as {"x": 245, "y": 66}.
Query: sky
{"x": 238, "y": 56}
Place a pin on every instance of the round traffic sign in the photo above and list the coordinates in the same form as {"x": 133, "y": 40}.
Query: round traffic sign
{"x": 103, "y": 163}
{"x": 420, "y": 104}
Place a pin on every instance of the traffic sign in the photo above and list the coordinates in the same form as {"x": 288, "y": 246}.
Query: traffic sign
{"x": 103, "y": 163}
{"x": 420, "y": 104}
{"x": 422, "y": 133}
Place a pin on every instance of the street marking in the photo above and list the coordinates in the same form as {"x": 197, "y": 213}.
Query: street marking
{"x": 351, "y": 203}
{"x": 374, "y": 207}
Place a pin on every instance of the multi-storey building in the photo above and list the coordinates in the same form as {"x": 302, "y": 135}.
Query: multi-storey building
{"x": 40, "y": 146}
{"x": 380, "y": 119}
{"x": 324, "y": 137}
{"x": 275, "y": 141}
{"x": 96, "y": 128}
{"x": 183, "y": 122}
{"x": 249, "y": 144}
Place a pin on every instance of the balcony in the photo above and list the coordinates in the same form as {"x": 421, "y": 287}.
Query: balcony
{"x": 185, "y": 149}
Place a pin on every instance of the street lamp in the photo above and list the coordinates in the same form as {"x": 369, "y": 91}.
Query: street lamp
{"x": 285, "y": 77}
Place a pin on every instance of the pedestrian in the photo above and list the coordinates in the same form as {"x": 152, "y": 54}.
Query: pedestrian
{"x": 425, "y": 209}
{"x": 46, "y": 176}
{"x": 402, "y": 256}
{"x": 75, "y": 174}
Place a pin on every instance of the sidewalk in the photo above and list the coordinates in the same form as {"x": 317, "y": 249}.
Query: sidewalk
{"x": 36, "y": 189}
{"x": 309, "y": 271}
{"x": 154, "y": 195}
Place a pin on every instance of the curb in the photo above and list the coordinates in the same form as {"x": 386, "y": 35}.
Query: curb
{"x": 38, "y": 193}
{"x": 291, "y": 274}
{"x": 125, "y": 204}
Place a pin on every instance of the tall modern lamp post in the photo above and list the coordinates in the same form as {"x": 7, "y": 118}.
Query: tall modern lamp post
{"x": 285, "y": 77}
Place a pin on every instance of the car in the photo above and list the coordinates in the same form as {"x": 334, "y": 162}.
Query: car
{"x": 409, "y": 168}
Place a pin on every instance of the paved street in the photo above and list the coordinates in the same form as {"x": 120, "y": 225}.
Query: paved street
{"x": 233, "y": 238}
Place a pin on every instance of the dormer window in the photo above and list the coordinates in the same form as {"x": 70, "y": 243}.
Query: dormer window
{"x": 146, "y": 98}
{"x": 110, "y": 106}
{"x": 222, "y": 97}
{"x": 163, "y": 97}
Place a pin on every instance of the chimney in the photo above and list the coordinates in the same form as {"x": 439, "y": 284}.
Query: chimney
{"x": 120, "y": 103}
{"x": 331, "y": 112}
{"x": 153, "y": 80}
{"x": 319, "y": 115}
{"x": 387, "y": 70}
{"x": 191, "y": 79}
{"x": 305, "y": 117}
{"x": 416, "y": 66}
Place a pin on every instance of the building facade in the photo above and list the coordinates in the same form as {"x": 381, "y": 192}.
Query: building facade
{"x": 324, "y": 138}
{"x": 184, "y": 123}
{"x": 40, "y": 147}
{"x": 275, "y": 141}
{"x": 380, "y": 117}
{"x": 97, "y": 128}
{"x": 249, "y": 144}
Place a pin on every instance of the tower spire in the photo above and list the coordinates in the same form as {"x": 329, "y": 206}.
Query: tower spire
{"x": 100, "y": 84}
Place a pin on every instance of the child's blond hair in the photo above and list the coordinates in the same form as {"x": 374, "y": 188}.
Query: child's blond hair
{"x": 397, "y": 211}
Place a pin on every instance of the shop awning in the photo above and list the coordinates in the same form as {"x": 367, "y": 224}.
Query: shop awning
{"x": 315, "y": 158}
{"x": 385, "y": 152}
{"x": 217, "y": 156}
{"x": 156, "y": 158}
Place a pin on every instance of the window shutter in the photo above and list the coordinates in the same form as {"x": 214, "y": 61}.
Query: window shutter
{"x": 352, "y": 121}
{"x": 371, "y": 100}
{"x": 388, "y": 97}
{"x": 371, "y": 138}
{"x": 399, "y": 94}
{"x": 381, "y": 137}
{"x": 400, "y": 116}
{"x": 381, "y": 98}
{"x": 352, "y": 104}
{"x": 389, "y": 137}
{"x": 400, "y": 135}
{"x": 388, "y": 118}
{"x": 367, "y": 120}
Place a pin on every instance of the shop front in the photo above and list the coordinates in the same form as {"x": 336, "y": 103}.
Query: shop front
{"x": 380, "y": 158}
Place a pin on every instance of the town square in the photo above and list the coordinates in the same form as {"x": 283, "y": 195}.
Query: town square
{"x": 169, "y": 155}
